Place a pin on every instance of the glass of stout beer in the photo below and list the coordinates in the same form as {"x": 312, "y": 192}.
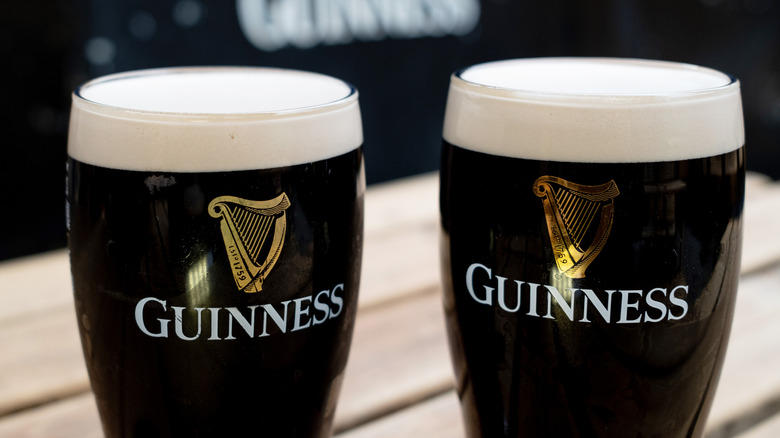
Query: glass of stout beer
{"x": 591, "y": 232}
{"x": 215, "y": 223}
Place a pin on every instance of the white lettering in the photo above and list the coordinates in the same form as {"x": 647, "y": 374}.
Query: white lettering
{"x": 633, "y": 306}
{"x": 501, "y": 298}
{"x": 321, "y": 306}
{"x": 235, "y": 315}
{"x": 532, "y": 294}
{"x": 568, "y": 308}
{"x": 603, "y": 310}
{"x": 214, "y": 323}
{"x": 139, "y": 318}
{"x": 655, "y": 304}
{"x": 179, "y": 322}
{"x": 327, "y": 304}
{"x": 682, "y": 304}
{"x": 625, "y": 305}
{"x": 272, "y": 24}
{"x": 470, "y": 284}
{"x": 337, "y": 300}
{"x": 301, "y": 311}
{"x": 276, "y": 317}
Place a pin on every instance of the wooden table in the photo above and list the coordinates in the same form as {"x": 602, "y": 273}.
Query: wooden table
{"x": 399, "y": 379}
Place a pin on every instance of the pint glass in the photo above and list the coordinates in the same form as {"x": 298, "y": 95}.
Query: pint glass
{"x": 591, "y": 230}
{"x": 215, "y": 221}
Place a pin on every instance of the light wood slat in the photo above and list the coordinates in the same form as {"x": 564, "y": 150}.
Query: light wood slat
{"x": 41, "y": 359}
{"x": 762, "y": 215}
{"x": 438, "y": 417}
{"x": 393, "y": 205}
{"x": 34, "y": 284}
{"x": 755, "y": 182}
{"x": 41, "y": 356}
{"x": 768, "y": 429}
{"x": 749, "y": 388}
{"x": 401, "y": 239}
{"x": 400, "y": 356}
{"x": 400, "y": 264}
{"x": 75, "y": 417}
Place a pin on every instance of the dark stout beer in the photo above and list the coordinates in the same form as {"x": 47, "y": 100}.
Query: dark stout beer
{"x": 215, "y": 249}
{"x": 590, "y": 252}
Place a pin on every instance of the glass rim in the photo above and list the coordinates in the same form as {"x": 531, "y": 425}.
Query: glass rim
{"x": 518, "y": 93}
{"x": 78, "y": 97}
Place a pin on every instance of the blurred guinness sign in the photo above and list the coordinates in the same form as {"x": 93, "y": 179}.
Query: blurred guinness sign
{"x": 274, "y": 24}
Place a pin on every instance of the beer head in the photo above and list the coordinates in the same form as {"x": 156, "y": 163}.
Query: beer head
{"x": 594, "y": 110}
{"x": 213, "y": 119}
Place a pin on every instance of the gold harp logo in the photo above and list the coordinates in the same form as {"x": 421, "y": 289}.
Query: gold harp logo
{"x": 253, "y": 232}
{"x": 579, "y": 218}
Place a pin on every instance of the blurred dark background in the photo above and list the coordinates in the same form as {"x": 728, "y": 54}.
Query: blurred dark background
{"x": 398, "y": 53}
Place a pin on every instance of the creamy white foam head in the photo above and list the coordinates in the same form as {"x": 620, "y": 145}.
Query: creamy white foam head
{"x": 212, "y": 119}
{"x": 594, "y": 110}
